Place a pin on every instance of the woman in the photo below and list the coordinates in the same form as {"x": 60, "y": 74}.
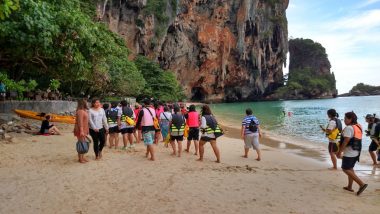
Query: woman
{"x": 351, "y": 148}
{"x": 192, "y": 120}
{"x": 81, "y": 129}
{"x": 165, "y": 119}
{"x": 46, "y": 128}
{"x": 98, "y": 127}
{"x": 209, "y": 129}
{"x": 332, "y": 133}
{"x": 138, "y": 136}
{"x": 177, "y": 128}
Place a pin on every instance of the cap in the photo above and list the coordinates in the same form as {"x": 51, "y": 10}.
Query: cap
{"x": 368, "y": 116}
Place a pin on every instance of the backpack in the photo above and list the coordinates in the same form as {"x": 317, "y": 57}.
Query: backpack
{"x": 253, "y": 126}
{"x": 128, "y": 112}
{"x": 112, "y": 115}
{"x": 338, "y": 124}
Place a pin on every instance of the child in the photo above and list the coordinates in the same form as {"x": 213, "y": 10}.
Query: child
{"x": 46, "y": 128}
{"x": 250, "y": 133}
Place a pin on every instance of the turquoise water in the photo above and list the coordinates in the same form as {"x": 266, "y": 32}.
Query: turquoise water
{"x": 306, "y": 115}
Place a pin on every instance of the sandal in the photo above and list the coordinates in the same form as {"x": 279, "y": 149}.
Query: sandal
{"x": 346, "y": 188}
{"x": 361, "y": 189}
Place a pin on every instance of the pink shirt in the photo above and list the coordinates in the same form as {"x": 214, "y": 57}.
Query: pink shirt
{"x": 147, "y": 119}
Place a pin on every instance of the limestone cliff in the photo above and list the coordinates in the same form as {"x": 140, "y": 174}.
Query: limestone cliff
{"x": 220, "y": 50}
{"x": 309, "y": 72}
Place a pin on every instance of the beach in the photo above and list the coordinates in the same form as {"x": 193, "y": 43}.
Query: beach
{"x": 40, "y": 174}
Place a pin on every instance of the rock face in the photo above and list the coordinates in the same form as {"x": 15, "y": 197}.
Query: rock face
{"x": 220, "y": 50}
{"x": 362, "y": 89}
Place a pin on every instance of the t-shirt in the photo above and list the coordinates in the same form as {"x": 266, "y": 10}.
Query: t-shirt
{"x": 45, "y": 126}
{"x": 97, "y": 119}
{"x": 247, "y": 120}
{"x": 348, "y": 151}
{"x": 331, "y": 126}
{"x": 376, "y": 131}
{"x": 165, "y": 117}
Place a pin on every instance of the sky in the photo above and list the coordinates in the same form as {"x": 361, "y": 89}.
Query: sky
{"x": 350, "y": 32}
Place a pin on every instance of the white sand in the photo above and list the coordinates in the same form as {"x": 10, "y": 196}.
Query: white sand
{"x": 41, "y": 175}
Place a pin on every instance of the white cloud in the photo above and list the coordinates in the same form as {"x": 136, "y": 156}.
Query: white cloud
{"x": 367, "y": 20}
{"x": 368, "y": 3}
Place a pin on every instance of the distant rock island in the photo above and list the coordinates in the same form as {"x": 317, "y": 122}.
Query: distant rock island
{"x": 309, "y": 72}
{"x": 362, "y": 89}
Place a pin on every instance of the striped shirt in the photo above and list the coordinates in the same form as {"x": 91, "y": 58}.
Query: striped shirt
{"x": 247, "y": 120}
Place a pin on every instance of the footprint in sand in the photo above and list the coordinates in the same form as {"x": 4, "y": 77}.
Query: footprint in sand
{"x": 236, "y": 169}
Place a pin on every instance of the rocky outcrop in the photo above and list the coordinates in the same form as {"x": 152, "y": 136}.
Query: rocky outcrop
{"x": 309, "y": 72}
{"x": 362, "y": 89}
{"x": 220, "y": 50}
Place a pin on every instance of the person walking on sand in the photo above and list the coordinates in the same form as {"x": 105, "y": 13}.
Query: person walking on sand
{"x": 165, "y": 119}
{"x": 106, "y": 107}
{"x": 98, "y": 127}
{"x": 81, "y": 129}
{"x": 137, "y": 133}
{"x": 192, "y": 120}
{"x": 114, "y": 122}
{"x": 210, "y": 132}
{"x": 373, "y": 127}
{"x": 250, "y": 133}
{"x": 177, "y": 128}
{"x": 146, "y": 120}
{"x": 351, "y": 145}
{"x": 333, "y": 131}
{"x": 127, "y": 129}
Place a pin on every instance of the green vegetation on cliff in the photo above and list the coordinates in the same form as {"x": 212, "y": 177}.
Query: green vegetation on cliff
{"x": 362, "y": 89}
{"x": 309, "y": 72}
{"x": 52, "y": 39}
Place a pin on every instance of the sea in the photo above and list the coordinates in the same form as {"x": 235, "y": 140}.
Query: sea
{"x": 300, "y": 119}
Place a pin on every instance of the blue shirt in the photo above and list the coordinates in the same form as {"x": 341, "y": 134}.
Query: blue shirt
{"x": 247, "y": 120}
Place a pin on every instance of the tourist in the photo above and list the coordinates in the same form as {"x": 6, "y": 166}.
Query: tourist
{"x": 372, "y": 124}
{"x": 157, "y": 108}
{"x": 146, "y": 119}
{"x": 3, "y": 91}
{"x": 332, "y": 131}
{"x": 106, "y": 107}
{"x": 81, "y": 129}
{"x": 127, "y": 125}
{"x": 351, "y": 145}
{"x": 114, "y": 122}
{"x": 250, "y": 133}
{"x": 98, "y": 127}
{"x": 192, "y": 121}
{"x": 183, "y": 108}
{"x": 177, "y": 128}
{"x": 210, "y": 132}
{"x": 165, "y": 119}
{"x": 46, "y": 128}
{"x": 137, "y": 133}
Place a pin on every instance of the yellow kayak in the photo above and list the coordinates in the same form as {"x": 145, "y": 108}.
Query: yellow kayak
{"x": 41, "y": 116}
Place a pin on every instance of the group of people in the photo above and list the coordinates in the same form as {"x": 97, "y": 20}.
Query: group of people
{"x": 347, "y": 143}
{"x": 152, "y": 122}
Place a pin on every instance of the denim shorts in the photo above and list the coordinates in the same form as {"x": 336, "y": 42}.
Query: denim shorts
{"x": 148, "y": 137}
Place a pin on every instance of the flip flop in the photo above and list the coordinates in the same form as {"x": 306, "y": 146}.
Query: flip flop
{"x": 361, "y": 189}
{"x": 346, "y": 188}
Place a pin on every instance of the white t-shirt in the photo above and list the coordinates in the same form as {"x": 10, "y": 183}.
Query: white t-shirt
{"x": 168, "y": 116}
{"x": 348, "y": 151}
{"x": 97, "y": 119}
{"x": 331, "y": 126}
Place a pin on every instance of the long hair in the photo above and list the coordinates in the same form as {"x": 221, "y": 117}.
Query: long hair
{"x": 82, "y": 105}
{"x": 332, "y": 113}
{"x": 206, "y": 110}
{"x": 192, "y": 108}
{"x": 352, "y": 116}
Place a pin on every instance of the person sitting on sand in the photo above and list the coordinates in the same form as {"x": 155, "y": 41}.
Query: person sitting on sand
{"x": 250, "y": 133}
{"x": 210, "y": 129}
{"x": 81, "y": 129}
{"x": 351, "y": 148}
{"x": 177, "y": 128}
{"x": 46, "y": 128}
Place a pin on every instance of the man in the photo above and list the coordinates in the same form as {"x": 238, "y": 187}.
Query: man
{"x": 127, "y": 126}
{"x": 146, "y": 120}
{"x": 374, "y": 133}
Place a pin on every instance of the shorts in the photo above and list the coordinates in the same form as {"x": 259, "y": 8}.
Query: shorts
{"x": 46, "y": 131}
{"x": 207, "y": 139}
{"x": 333, "y": 148}
{"x": 372, "y": 147}
{"x": 148, "y": 137}
{"x": 251, "y": 141}
{"x": 127, "y": 130}
{"x": 193, "y": 134}
{"x": 113, "y": 130}
{"x": 349, "y": 162}
{"x": 177, "y": 138}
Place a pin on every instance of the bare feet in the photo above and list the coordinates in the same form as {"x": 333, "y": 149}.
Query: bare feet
{"x": 217, "y": 161}
{"x": 174, "y": 154}
{"x": 186, "y": 150}
{"x": 348, "y": 189}
{"x": 196, "y": 154}
{"x": 81, "y": 161}
{"x": 151, "y": 159}
{"x": 333, "y": 168}
{"x": 85, "y": 159}
{"x": 258, "y": 159}
{"x": 200, "y": 159}
{"x": 244, "y": 156}
{"x": 146, "y": 155}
